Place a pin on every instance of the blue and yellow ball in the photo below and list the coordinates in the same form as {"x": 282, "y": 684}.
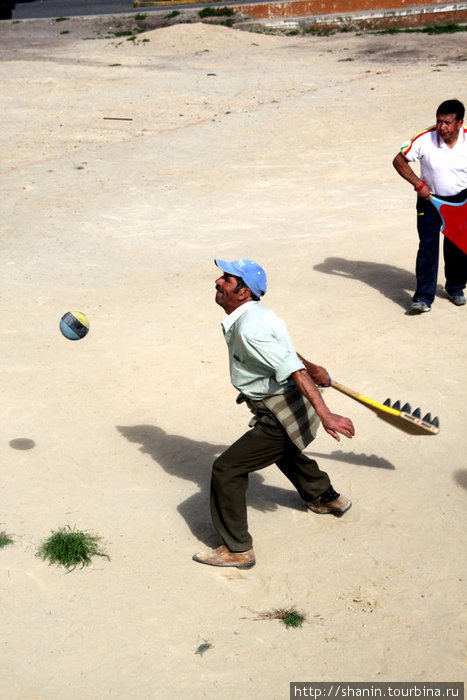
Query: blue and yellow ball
{"x": 74, "y": 325}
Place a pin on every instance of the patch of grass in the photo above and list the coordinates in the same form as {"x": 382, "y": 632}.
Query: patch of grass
{"x": 65, "y": 31}
{"x": 319, "y": 32}
{"x": 125, "y": 32}
{"x": 139, "y": 17}
{"x": 449, "y": 28}
{"x": 61, "y": 19}
{"x": 203, "y": 648}
{"x": 172, "y": 14}
{"x": 288, "y": 617}
{"x": 5, "y": 540}
{"x": 390, "y": 30}
{"x": 216, "y": 12}
{"x": 70, "y": 548}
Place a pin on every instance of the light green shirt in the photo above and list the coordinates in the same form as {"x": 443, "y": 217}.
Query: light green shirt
{"x": 261, "y": 353}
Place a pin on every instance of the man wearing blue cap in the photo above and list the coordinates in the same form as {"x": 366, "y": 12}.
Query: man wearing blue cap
{"x": 280, "y": 388}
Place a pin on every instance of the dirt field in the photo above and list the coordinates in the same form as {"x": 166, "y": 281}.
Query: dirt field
{"x": 127, "y": 166}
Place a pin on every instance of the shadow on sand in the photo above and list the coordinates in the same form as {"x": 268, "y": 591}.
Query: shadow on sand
{"x": 460, "y": 477}
{"x": 191, "y": 460}
{"x": 390, "y": 281}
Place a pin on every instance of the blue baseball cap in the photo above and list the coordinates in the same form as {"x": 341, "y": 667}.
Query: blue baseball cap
{"x": 251, "y": 273}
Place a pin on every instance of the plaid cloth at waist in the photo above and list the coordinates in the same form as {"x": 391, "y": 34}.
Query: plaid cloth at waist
{"x": 293, "y": 411}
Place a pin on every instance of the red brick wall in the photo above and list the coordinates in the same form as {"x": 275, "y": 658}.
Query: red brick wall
{"x": 303, "y": 8}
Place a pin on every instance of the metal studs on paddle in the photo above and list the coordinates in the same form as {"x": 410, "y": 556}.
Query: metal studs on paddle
{"x": 406, "y": 408}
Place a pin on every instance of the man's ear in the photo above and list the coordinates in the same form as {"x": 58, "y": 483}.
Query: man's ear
{"x": 244, "y": 294}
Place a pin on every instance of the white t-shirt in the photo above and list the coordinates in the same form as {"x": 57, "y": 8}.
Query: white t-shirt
{"x": 444, "y": 169}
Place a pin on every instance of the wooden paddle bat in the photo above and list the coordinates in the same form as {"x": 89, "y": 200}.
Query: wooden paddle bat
{"x": 454, "y": 220}
{"x": 402, "y": 418}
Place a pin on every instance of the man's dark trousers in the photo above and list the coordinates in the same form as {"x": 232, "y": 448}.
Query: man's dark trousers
{"x": 265, "y": 444}
{"x": 426, "y": 268}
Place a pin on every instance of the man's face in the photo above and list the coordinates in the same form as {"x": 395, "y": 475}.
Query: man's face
{"x": 448, "y": 126}
{"x": 226, "y": 294}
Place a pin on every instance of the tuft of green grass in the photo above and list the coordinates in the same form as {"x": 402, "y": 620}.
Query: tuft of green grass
{"x": 61, "y": 19}
{"x": 203, "y": 647}
{"x": 5, "y": 540}
{"x": 319, "y": 31}
{"x": 289, "y": 617}
{"x": 139, "y": 17}
{"x": 172, "y": 14}
{"x": 125, "y": 32}
{"x": 216, "y": 12}
{"x": 70, "y": 548}
{"x": 449, "y": 28}
{"x": 390, "y": 31}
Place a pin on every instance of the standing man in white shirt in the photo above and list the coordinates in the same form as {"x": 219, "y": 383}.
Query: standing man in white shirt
{"x": 442, "y": 153}
{"x": 280, "y": 388}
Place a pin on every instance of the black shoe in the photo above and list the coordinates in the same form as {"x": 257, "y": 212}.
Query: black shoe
{"x": 457, "y": 299}
{"x": 419, "y": 307}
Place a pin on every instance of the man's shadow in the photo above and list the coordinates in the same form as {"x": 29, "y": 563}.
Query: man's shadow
{"x": 192, "y": 460}
{"x": 391, "y": 281}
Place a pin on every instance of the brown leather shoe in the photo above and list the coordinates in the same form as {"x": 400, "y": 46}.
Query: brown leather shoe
{"x": 222, "y": 556}
{"x": 338, "y": 507}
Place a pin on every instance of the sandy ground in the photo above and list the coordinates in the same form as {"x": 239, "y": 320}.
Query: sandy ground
{"x": 221, "y": 143}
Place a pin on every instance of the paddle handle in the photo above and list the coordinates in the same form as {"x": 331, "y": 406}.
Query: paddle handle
{"x": 371, "y": 403}
{"x": 345, "y": 390}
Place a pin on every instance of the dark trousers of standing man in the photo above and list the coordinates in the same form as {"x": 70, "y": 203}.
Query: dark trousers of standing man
{"x": 265, "y": 444}
{"x": 426, "y": 268}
